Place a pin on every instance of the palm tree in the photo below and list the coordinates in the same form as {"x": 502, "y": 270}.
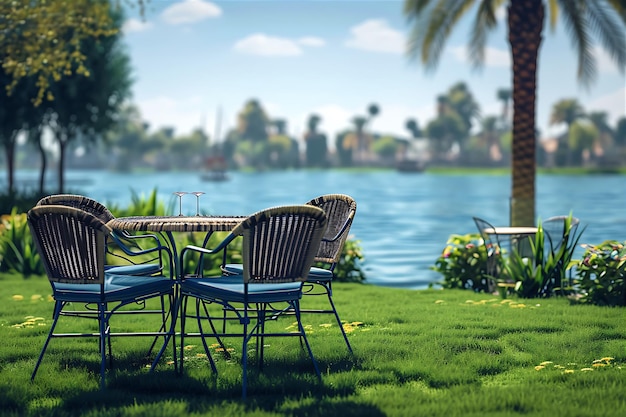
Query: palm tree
{"x": 566, "y": 111}
{"x": 605, "y": 140}
{"x": 433, "y": 21}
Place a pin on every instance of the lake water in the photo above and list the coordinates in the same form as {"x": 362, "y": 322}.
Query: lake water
{"x": 403, "y": 220}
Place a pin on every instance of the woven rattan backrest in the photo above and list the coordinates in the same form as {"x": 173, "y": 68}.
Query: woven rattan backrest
{"x": 491, "y": 240}
{"x": 279, "y": 243}
{"x": 70, "y": 242}
{"x": 555, "y": 230}
{"x": 80, "y": 202}
{"x": 340, "y": 210}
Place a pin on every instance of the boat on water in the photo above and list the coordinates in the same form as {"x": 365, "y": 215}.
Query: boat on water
{"x": 215, "y": 169}
{"x": 410, "y": 165}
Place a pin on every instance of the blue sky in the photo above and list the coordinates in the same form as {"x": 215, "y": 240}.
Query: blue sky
{"x": 332, "y": 58}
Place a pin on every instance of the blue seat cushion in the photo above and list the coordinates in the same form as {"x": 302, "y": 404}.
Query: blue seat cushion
{"x": 231, "y": 289}
{"x": 141, "y": 269}
{"x": 315, "y": 274}
{"x": 320, "y": 274}
{"x": 116, "y": 288}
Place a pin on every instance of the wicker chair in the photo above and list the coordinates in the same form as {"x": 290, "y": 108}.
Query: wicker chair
{"x": 493, "y": 248}
{"x": 340, "y": 211}
{"x": 279, "y": 245}
{"x": 561, "y": 234}
{"x": 556, "y": 233}
{"x": 71, "y": 244}
{"x": 127, "y": 243}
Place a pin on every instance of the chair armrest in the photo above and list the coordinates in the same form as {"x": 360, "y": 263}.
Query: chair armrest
{"x": 345, "y": 225}
{"x": 205, "y": 251}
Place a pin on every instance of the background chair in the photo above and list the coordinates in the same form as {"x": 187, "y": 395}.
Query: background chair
{"x": 279, "y": 245}
{"x": 128, "y": 243}
{"x": 559, "y": 230}
{"x": 493, "y": 249}
{"x": 340, "y": 210}
{"x": 71, "y": 244}
{"x": 561, "y": 235}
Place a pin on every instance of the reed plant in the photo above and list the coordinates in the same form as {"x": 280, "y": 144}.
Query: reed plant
{"x": 417, "y": 353}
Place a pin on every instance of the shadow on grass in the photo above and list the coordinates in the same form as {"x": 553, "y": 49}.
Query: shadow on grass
{"x": 199, "y": 390}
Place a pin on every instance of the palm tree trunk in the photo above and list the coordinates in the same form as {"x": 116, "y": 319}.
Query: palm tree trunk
{"x": 525, "y": 28}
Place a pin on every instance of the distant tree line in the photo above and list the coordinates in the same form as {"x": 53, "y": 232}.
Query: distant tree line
{"x": 82, "y": 103}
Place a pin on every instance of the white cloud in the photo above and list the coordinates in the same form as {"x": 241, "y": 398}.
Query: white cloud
{"x": 614, "y": 104}
{"x": 190, "y": 11}
{"x": 377, "y": 36}
{"x": 184, "y": 115}
{"x": 135, "y": 25}
{"x": 261, "y": 44}
{"x": 311, "y": 41}
{"x": 493, "y": 57}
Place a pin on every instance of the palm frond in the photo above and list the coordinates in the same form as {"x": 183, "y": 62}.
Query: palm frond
{"x": 609, "y": 30}
{"x": 578, "y": 27}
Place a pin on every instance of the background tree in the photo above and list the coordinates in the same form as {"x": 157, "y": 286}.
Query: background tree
{"x": 85, "y": 106}
{"x": 443, "y": 132}
{"x": 251, "y": 137}
{"x": 43, "y": 39}
{"x": 490, "y": 135}
{"x": 461, "y": 101}
{"x": 504, "y": 95}
{"x": 413, "y": 126}
{"x": 620, "y": 132}
{"x": 433, "y": 21}
{"x": 582, "y": 136}
{"x": 605, "y": 141}
{"x": 566, "y": 111}
{"x": 316, "y": 143}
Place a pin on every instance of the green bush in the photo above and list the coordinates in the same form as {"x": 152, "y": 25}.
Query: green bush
{"x": 600, "y": 275}
{"x": 543, "y": 271}
{"x": 348, "y": 269}
{"x": 17, "y": 249}
{"x": 463, "y": 263}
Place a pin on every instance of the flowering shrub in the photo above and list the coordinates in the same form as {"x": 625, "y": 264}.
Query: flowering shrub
{"x": 601, "y": 274}
{"x": 463, "y": 264}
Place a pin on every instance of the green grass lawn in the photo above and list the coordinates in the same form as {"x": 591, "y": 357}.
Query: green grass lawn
{"x": 417, "y": 353}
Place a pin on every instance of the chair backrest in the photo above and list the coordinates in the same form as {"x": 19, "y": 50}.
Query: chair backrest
{"x": 491, "y": 240}
{"x": 279, "y": 243}
{"x": 554, "y": 228}
{"x": 340, "y": 210}
{"x": 70, "y": 242}
{"x": 80, "y": 202}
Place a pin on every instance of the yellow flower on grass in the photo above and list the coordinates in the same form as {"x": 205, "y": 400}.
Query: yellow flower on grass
{"x": 326, "y": 325}
{"x": 439, "y": 302}
{"x": 587, "y": 369}
{"x": 607, "y": 359}
{"x": 36, "y": 297}
{"x": 18, "y": 297}
{"x": 598, "y": 365}
{"x": 539, "y": 367}
{"x": 201, "y": 355}
{"x": 544, "y": 363}
{"x": 189, "y": 347}
{"x": 568, "y": 371}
